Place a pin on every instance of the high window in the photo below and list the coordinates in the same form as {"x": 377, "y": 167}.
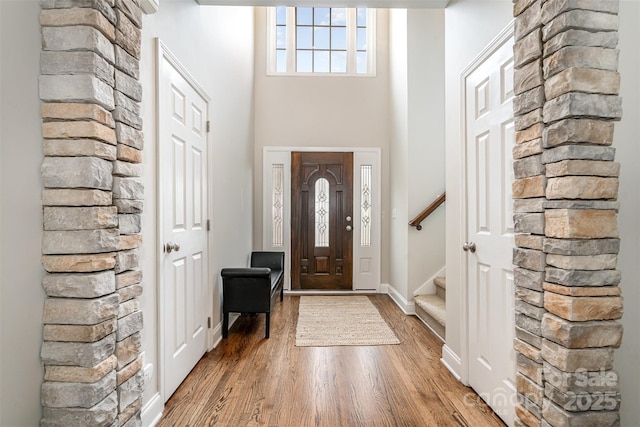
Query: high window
{"x": 321, "y": 41}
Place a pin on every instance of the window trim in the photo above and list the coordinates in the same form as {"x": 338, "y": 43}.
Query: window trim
{"x": 351, "y": 45}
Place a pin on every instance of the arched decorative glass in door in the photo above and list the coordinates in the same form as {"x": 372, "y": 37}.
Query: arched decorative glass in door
{"x": 322, "y": 213}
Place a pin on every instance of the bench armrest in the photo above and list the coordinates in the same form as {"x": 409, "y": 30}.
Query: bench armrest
{"x": 246, "y": 290}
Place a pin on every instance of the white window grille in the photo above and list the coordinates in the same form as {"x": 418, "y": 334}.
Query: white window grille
{"x": 321, "y": 41}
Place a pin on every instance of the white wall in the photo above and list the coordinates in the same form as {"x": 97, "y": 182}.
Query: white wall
{"x": 417, "y": 145}
{"x": 297, "y": 111}
{"x": 21, "y": 273}
{"x": 469, "y": 26}
{"x": 426, "y": 162}
{"x": 216, "y": 45}
{"x": 399, "y": 179}
{"x": 627, "y": 144}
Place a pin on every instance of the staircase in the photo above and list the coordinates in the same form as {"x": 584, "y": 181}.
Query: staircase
{"x": 431, "y": 308}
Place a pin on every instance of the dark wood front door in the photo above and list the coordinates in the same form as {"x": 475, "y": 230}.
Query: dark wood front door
{"x": 321, "y": 220}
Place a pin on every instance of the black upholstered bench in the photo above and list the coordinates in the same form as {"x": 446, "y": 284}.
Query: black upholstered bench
{"x": 252, "y": 289}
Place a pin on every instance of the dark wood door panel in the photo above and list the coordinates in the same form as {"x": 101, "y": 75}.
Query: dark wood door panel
{"x": 322, "y": 186}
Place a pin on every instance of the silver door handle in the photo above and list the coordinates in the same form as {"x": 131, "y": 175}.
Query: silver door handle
{"x": 349, "y": 228}
{"x": 469, "y": 246}
{"x": 170, "y": 247}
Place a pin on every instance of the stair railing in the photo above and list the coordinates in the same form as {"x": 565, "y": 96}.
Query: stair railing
{"x": 415, "y": 222}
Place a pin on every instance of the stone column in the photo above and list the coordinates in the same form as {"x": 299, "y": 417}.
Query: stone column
{"x": 567, "y": 296}
{"x": 528, "y": 193}
{"x": 92, "y": 139}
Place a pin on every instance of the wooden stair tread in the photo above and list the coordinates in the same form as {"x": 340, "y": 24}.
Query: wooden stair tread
{"x": 434, "y": 305}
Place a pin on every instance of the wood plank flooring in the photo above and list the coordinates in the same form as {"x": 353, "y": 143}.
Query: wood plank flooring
{"x": 251, "y": 381}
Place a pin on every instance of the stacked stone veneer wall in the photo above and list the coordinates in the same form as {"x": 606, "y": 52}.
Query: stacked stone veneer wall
{"x": 567, "y": 295}
{"x": 92, "y": 205}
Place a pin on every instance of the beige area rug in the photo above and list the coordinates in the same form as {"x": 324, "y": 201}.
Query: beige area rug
{"x": 325, "y": 321}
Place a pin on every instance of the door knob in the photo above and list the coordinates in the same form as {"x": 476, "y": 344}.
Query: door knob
{"x": 170, "y": 247}
{"x": 348, "y": 219}
{"x": 348, "y": 228}
{"x": 469, "y": 246}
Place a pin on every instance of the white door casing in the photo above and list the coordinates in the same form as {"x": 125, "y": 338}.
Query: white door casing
{"x": 184, "y": 294}
{"x": 276, "y": 201}
{"x": 489, "y": 139}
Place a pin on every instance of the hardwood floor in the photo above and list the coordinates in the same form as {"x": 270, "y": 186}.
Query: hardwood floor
{"x": 249, "y": 381}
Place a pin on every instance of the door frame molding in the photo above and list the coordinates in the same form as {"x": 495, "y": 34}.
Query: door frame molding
{"x": 459, "y": 364}
{"x": 163, "y": 53}
{"x": 282, "y": 155}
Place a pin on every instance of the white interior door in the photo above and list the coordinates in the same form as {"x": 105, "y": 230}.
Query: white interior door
{"x": 182, "y": 174}
{"x": 490, "y": 137}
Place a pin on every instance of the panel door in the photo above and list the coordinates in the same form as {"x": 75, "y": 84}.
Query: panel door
{"x": 322, "y": 220}
{"x": 490, "y": 139}
{"x": 183, "y": 188}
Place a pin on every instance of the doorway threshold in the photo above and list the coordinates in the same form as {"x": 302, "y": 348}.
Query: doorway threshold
{"x": 300, "y": 292}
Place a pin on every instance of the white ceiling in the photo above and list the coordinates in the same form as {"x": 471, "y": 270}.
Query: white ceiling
{"x": 419, "y": 4}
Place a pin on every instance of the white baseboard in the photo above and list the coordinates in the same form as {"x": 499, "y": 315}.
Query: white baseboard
{"x": 216, "y": 334}
{"x": 429, "y": 287}
{"x": 407, "y": 307}
{"x": 453, "y": 363}
{"x": 152, "y": 411}
{"x": 430, "y": 328}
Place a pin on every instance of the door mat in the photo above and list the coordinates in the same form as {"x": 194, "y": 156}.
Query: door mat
{"x": 325, "y": 321}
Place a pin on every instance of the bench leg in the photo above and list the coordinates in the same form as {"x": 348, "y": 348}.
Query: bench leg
{"x": 282, "y": 293}
{"x": 268, "y": 321}
{"x": 225, "y": 325}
